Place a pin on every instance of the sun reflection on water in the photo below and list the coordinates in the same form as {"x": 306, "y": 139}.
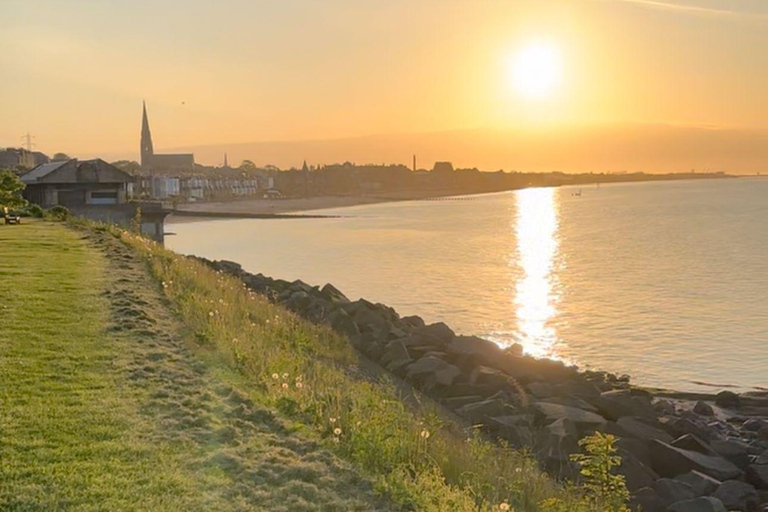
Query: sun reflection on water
{"x": 536, "y": 226}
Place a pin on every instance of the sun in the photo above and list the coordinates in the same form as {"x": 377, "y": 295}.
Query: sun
{"x": 536, "y": 70}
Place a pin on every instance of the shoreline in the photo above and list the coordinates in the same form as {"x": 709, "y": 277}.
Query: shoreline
{"x": 696, "y": 443}
{"x": 292, "y": 207}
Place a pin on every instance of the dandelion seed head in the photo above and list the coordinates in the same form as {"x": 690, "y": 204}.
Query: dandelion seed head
{"x": 425, "y": 434}
{"x": 275, "y": 376}
{"x": 285, "y": 385}
{"x": 337, "y": 431}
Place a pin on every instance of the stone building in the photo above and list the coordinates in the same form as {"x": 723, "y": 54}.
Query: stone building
{"x": 183, "y": 162}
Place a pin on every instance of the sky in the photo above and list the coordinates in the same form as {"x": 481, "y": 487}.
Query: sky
{"x": 221, "y": 74}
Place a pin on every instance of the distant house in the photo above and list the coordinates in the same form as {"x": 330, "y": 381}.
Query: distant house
{"x": 75, "y": 183}
{"x": 443, "y": 168}
{"x": 95, "y": 190}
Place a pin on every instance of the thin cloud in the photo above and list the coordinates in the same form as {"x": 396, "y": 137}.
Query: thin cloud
{"x": 693, "y": 9}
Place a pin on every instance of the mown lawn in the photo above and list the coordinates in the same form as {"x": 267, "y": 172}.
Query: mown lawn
{"x": 70, "y": 437}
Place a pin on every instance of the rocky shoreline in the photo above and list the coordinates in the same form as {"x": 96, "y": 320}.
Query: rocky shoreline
{"x": 680, "y": 452}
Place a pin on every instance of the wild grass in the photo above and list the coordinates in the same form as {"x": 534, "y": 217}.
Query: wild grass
{"x": 312, "y": 375}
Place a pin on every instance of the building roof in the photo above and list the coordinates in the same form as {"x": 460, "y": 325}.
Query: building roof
{"x": 42, "y": 171}
{"x": 76, "y": 171}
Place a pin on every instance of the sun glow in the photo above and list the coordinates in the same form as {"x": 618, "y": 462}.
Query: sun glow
{"x": 536, "y": 70}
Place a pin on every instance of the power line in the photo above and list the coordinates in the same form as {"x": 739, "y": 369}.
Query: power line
{"x": 28, "y": 141}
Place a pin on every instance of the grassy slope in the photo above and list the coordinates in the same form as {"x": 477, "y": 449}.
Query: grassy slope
{"x": 101, "y": 407}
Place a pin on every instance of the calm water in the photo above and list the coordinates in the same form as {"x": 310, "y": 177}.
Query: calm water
{"x": 667, "y": 282}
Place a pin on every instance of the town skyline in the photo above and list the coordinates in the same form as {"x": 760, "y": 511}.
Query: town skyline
{"x": 381, "y": 81}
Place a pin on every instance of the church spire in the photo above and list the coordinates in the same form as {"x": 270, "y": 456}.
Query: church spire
{"x": 146, "y": 139}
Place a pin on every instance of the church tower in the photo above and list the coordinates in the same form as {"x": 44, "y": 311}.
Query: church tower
{"x": 146, "y": 141}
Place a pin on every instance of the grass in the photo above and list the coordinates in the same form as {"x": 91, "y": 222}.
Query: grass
{"x": 69, "y": 436}
{"x": 313, "y": 376}
{"x": 101, "y": 408}
{"x": 134, "y": 378}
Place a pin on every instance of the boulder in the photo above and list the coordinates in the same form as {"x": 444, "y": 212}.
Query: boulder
{"x": 456, "y": 402}
{"x": 432, "y": 371}
{"x": 636, "y": 473}
{"x": 693, "y": 443}
{"x": 481, "y": 412}
{"x": 670, "y": 461}
{"x": 342, "y": 323}
{"x": 737, "y": 495}
{"x": 333, "y": 295}
{"x": 647, "y": 500}
{"x": 395, "y": 356}
{"x": 755, "y": 425}
{"x": 563, "y": 427}
{"x": 439, "y": 332}
{"x": 763, "y": 458}
{"x": 541, "y": 389}
{"x": 616, "y": 404}
{"x": 703, "y": 408}
{"x": 473, "y": 350}
{"x": 554, "y": 452}
{"x": 664, "y": 408}
{"x": 757, "y": 475}
{"x": 412, "y": 321}
{"x": 583, "y": 420}
{"x": 727, "y": 399}
{"x": 701, "y": 484}
{"x": 734, "y": 451}
{"x": 640, "y": 430}
{"x": 703, "y": 504}
{"x": 671, "y": 491}
{"x": 370, "y": 320}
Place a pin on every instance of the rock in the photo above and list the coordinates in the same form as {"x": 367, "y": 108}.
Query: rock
{"x": 763, "y": 458}
{"x": 664, "y": 408}
{"x": 432, "y": 371}
{"x": 484, "y": 376}
{"x": 541, "y": 389}
{"x": 671, "y": 491}
{"x": 563, "y": 427}
{"x": 754, "y": 425}
{"x": 370, "y": 320}
{"x": 704, "y": 504}
{"x": 636, "y": 473}
{"x": 757, "y": 475}
{"x": 482, "y": 411}
{"x": 703, "y": 408}
{"x": 395, "y": 356}
{"x": 737, "y": 495}
{"x": 515, "y": 349}
{"x": 640, "y": 430}
{"x": 734, "y": 451}
{"x": 438, "y": 331}
{"x": 702, "y": 484}
{"x": 555, "y": 454}
{"x": 617, "y": 404}
{"x": 639, "y": 449}
{"x": 670, "y": 461}
{"x": 727, "y": 399}
{"x": 230, "y": 267}
{"x": 342, "y": 323}
{"x": 678, "y": 426}
{"x": 333, "y": 295}
{"x": 647, "y": 500}
{"x": 583, "y": 420}
{"x": 693, "y": 443}
{"x": 473, "y": 350}
{"x": 413, "y": 321}
{"x": 456, "y": 402}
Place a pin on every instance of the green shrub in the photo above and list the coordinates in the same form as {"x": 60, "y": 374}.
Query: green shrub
{"x": 602, "y": 485}
{"x": 58, "y": 212}
{"x": 34, "y": 210}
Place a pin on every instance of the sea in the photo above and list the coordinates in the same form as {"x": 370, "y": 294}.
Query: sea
{"x": 664, "y": 281}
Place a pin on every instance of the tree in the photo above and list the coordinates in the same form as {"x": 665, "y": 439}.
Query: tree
{"x": 10, "y": 190}
{"x": 247, "y": 166}
{"x": 129, "y": 166}
{"x": 59, "y": 157}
